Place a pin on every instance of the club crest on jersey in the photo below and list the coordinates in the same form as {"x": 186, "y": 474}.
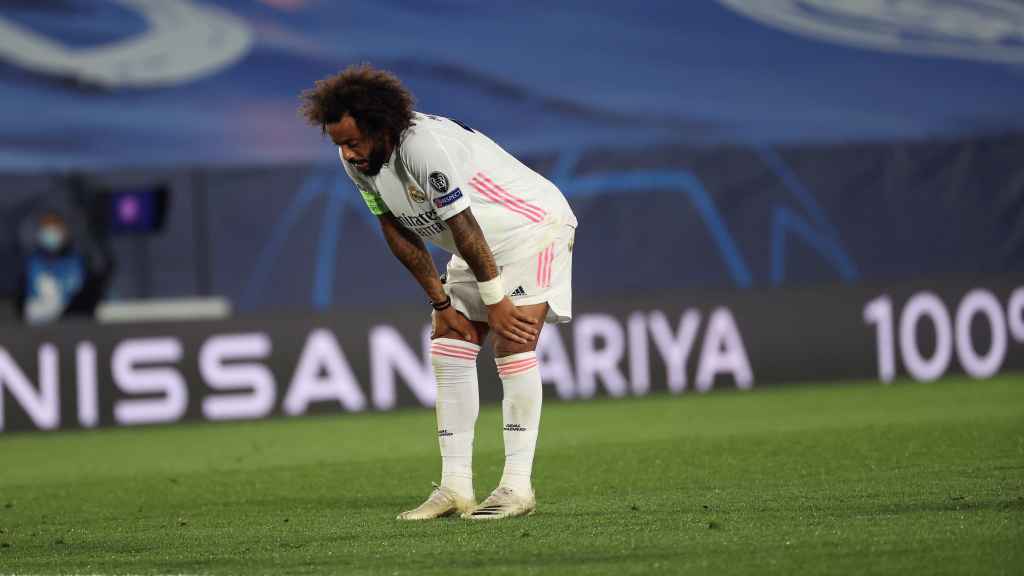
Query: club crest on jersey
{"x": 439, "y": 182}
{"x": 449, "y": 198}
{"x": 416, "y": 194}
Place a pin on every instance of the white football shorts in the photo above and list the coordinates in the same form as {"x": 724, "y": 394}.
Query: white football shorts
{"x": 545, "y": 277}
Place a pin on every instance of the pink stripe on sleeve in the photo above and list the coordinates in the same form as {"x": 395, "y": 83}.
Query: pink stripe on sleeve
{"x": 519, "y": 201}
{"x": 512, "y": 199}
{"x": 480, "y": 187}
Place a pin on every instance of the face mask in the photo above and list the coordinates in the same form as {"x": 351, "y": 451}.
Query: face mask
{"x": 50, "y": 238}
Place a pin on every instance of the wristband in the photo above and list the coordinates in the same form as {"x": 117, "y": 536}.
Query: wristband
{"x": 491, "y": 291}
{"x": 442, "y": 305}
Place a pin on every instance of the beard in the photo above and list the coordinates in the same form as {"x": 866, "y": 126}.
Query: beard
{"x": 375, "y": 161}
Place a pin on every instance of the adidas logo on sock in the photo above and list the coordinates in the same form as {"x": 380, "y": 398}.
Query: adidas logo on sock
{"x": 444, "y": 433}
{"x": 518, "y": 292}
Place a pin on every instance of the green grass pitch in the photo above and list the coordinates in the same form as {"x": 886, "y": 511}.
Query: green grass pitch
{"x": 850, "y": 479}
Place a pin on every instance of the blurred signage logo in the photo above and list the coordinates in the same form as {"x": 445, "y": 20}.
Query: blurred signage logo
{"x": 990, "y": 30}
{"x": 183, "y": 41}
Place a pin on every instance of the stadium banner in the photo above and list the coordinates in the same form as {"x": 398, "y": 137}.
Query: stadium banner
{"x": 82, "y": 375}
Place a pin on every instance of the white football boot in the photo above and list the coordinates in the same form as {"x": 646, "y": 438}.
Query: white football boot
{"x": 503, "y": 503}
{"x": 442, "y": 502}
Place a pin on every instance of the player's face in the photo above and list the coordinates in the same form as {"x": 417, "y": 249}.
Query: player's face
{"x": 361, "y": 151}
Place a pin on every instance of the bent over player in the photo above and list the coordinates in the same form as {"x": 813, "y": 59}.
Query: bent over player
{"x": 510, "y": 232}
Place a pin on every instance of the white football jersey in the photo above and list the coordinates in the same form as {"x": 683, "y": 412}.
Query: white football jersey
{"x": 442, "y": 167}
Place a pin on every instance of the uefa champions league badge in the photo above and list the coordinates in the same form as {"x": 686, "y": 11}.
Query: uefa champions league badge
{"x": 439, "y": 182}
{"x": 986, "y": 30}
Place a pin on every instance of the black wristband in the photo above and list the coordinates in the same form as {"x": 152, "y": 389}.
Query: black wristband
{"x": 443, "y": 305}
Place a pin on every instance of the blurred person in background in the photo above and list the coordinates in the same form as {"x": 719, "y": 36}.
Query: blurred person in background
{"x": 56, "y": 279}
{"x": 510, "y": 232}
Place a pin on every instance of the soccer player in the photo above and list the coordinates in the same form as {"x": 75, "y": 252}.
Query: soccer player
{"x": 510, "y": 232}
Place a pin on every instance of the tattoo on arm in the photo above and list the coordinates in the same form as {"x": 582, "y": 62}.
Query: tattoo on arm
{"x": 472, "y": 246}
{"x": 413, "y": 254}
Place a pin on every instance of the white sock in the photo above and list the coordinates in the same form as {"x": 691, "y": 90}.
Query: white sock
{"x": 520, "y": 408}
{"x": 458, "y": 405}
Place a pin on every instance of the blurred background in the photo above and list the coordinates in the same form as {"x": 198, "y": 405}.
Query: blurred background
{"x": 792, "y": 190}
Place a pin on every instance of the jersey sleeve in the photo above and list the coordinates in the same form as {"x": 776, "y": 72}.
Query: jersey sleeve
{"x": 372, "y": 199}
{"x": 437, "y": 169}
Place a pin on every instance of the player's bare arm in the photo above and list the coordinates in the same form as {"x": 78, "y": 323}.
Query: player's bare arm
{"x": 412, "y": 253}
{"x": 504, "y": 317}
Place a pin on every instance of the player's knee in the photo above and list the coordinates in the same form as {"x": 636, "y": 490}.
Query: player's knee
{"x": 504, "y": 347}
{"x": 453, "y": 335}
{"x": 476, "y": 334}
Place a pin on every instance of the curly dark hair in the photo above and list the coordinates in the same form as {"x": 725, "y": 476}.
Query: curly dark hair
{"x": 374, "y": 98}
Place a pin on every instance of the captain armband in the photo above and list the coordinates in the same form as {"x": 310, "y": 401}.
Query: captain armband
{"x": 374, "y": 202}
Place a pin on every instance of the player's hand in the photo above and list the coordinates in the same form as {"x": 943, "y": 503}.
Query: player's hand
{"x": 510, "y": 323}
{"x": 450, "y": 321}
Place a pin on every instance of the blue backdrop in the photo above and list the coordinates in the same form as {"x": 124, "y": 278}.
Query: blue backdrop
{"x": 537, "y": 76}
